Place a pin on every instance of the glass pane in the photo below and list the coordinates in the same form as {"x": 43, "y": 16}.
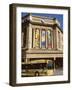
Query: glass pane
{"x": 43, "y": 40}
{"x": 49, "y": 39}
{"x": 50, "y": 65}
{"x": 37, "y": 38}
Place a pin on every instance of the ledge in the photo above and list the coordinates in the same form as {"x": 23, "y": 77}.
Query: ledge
{"x": 43, "y": 51}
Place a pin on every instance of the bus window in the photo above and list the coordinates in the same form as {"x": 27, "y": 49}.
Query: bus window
{"x": 50, "y": 65}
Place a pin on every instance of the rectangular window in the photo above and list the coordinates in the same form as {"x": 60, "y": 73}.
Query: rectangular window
{"x": 24, "y": 37}
{"x": 43, "y": 39}
{"x": 37, "y": 38}
{"x": 58, "y": 39}
{"x": 49, "y": 39}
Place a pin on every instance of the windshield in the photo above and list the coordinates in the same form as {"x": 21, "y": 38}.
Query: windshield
{"x": 50, "y": 65}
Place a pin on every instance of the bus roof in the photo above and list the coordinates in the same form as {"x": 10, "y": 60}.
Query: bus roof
{"x": 36, "y": 61}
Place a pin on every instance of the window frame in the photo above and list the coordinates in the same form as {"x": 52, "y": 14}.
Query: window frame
{"x": 40, "y": 38}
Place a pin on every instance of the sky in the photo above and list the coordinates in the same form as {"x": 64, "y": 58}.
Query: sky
{"x": 59, "y": 17}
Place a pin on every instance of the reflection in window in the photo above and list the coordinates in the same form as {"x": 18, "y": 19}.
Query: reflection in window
{"x": 37, "y": 38}
{"x": 50, "y": 65}
{"x": 49, "y": 39}
{"x": 43, "y": 40}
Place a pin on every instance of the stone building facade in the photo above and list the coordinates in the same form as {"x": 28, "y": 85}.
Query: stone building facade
{"x": 42, "y": 38}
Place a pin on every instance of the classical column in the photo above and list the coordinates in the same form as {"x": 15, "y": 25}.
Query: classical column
{"x": 26, "y": 60}
{"x": 29, "y": 36}
{"x": 46, "y": 40}
{"x": 54, "y": 38}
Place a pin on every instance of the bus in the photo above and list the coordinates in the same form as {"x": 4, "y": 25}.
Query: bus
{"x": 38, "y": 68}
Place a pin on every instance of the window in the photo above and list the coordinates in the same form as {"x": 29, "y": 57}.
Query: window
{"x": 43, "y": 39}
{"x": 58, "y": 39}
{"x": 37, "y": 38}
{"x": 49, "y": 39}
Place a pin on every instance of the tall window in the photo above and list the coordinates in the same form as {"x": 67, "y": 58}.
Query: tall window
{"x": 58, "y": 39}
{"x": 43, "y": 39}
{"x": 23, "y": 37}
{"x": 37, "y": 38}
{"x": 49, "y": 39}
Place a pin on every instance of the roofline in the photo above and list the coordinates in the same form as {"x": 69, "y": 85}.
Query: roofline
{"x": 38, "y": 16}
{"x": 60, "y": 29}
{"x": 42, "y": 24}
{"x": 43, "y": 17}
